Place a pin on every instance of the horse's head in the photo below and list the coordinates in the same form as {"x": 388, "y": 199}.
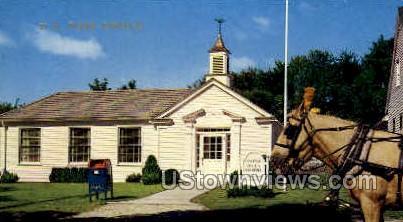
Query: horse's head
{"x": 294, "y": 145}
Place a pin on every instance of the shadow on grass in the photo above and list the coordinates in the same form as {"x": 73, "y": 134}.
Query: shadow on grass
{"x": 41, "y": 201}
{"x": 120, "y": 198}
{"x": 7, "y": 198}
{"x": 33, "y": 216}
{"x": 6, "y": 189}
{"x": 288, "y": 212}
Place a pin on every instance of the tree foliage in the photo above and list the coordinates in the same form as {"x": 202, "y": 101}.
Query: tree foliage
{"x": 103, "y": 85}
{"x": 347, "y": 85}
{"x": 151, "y": 171}
{"x": 99, "y": 85}
{"x": 5, "y": 107}
{"x": 131, "y": 84}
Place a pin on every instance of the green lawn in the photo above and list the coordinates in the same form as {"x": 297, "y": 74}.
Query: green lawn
{"x": 63, "y": 197}
{"x": 217, "y": 200}
{"x": 72, "y": 198}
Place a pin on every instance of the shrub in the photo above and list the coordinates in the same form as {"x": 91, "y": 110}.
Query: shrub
{"x": 264, "y": 191}
{"x": 234, "y": 177}
{"x": 134, "y": 178}
{"x": 171, "y": 176}
{"x": 324, "y": 179}
{"x": 68, "y": 175}
{"x": 8, "y": 177}
{"x": 151, "y": 171}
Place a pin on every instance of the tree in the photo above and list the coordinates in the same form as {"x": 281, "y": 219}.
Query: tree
{"x": 5, "y": 107}
{"x": 131, "y": 84}
{"x": 347, "y": 86}
{"x": 370, "y": 87}
{"x": 196, "y": 84}
{"x": 98, "y": 85}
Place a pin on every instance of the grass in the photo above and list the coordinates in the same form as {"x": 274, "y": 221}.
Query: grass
{"x": 63, "y": 197}
{"x": 72, "y": 198}
{"x": 217, "y": 200}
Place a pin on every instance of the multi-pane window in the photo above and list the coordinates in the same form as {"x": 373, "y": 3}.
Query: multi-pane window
{"x": 30, "y": 145}
{"x": 129, "y": 150}
{"x": 212, "y": 147}
{"x": 397, "y": 73}
{"x": 80, "y": 144}
{"x": 228, "y": 143}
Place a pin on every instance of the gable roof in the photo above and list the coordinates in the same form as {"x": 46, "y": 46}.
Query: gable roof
{"x": 99, "y": 105}
{"x": 226, "y": 89}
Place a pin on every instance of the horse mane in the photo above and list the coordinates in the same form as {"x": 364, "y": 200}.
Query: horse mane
{"x": 327, "y": 118}
{"x": 334, "y": 119}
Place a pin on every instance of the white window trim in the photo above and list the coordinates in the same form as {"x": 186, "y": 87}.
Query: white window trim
{"x": 71, "y": 163}
{"x": 223, "y": 133}
{"x": 26, "y": 163}
{"x": 141, "y": 144}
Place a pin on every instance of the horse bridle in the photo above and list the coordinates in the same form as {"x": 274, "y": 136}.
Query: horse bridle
{"x": 292, "y": 133}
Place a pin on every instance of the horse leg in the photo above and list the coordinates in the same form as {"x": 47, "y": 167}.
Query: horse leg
{"x": 371, "y": 209}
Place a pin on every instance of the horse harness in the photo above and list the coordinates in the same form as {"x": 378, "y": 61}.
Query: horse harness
{"x": 356, "y": 151}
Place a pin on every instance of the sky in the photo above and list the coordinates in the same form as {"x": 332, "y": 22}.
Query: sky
{"x": 51, "y": 46}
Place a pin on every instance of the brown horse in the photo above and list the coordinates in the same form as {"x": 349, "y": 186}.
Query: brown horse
{"x": 311, "y": 139}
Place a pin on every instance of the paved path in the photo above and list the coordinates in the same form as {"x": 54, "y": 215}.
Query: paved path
{"x": 168, "y": 200}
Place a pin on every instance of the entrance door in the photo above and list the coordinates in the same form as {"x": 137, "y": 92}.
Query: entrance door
{"x": 212, "y": 147}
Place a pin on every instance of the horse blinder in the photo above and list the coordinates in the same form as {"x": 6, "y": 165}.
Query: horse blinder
{"x": 292, "y": 131}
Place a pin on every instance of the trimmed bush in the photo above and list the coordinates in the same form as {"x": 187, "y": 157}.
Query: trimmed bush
{"x": 264, "y": 191}
{"x": 134, "y": 178}
{"x": 151, "y": 171}
{"x": 8, "y": 177}
{"x": 324, "y": 179}
{"x": 68, "y": 175}
{"x": 234, "y": 177}
{"x": 171, "y": 176}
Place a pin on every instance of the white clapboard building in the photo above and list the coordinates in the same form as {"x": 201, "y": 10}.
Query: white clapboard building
{"x": 211, "y": 129}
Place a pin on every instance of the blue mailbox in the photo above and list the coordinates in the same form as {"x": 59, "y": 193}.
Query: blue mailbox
{"x": 100, "y": 178}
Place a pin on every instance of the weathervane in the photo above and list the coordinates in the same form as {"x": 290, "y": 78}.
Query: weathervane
{"x": 219, "y": 21}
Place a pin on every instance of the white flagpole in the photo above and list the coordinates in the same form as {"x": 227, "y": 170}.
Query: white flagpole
{"x": 285, "y": 63}
{"x": 285, "y": 73}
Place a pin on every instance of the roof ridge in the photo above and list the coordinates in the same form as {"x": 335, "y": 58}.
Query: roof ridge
{"x": 121, "y": 90}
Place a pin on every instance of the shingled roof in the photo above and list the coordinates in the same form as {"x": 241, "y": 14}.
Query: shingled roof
{"x": 99, "y": 105}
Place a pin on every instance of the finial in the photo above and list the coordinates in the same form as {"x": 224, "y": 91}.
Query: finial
{"x": 219, "y": 43}
{"x": 309, "y": 93}
{"x": 219, "y": 22}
